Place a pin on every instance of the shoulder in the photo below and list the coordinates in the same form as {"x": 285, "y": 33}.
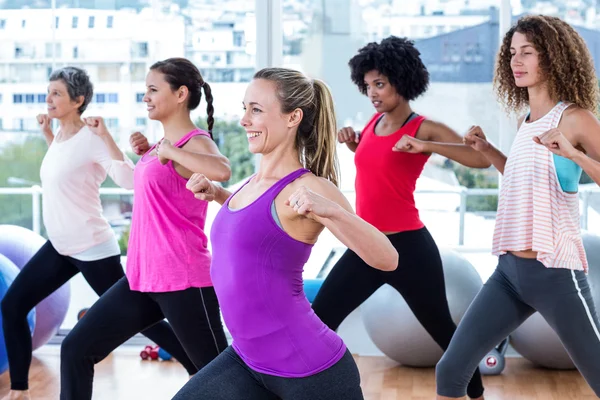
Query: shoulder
{"x": 319, "y": 185}
{"x": 431, "y": 130}
{"x": 201, "y": 141}
{"x": 577, "y": 120}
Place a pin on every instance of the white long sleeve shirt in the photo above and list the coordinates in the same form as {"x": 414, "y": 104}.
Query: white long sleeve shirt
{"x": 71, "y": 174}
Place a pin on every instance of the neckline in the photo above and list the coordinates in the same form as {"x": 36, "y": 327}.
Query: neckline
{"x": 78, "y": 133}
{"x": 412, "y": 116}
{"x": 525, "y": 122}
{"x": 235, "y": 210}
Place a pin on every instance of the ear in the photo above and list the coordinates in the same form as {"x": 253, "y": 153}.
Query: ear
{"x": 182, "y": 94}
{"x": 295, "y": 117}
{"x": 79, "y": 101}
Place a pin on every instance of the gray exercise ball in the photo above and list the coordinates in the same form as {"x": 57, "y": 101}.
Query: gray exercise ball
{"x": 395, "y": 330}
{"x": 536, "y": 340}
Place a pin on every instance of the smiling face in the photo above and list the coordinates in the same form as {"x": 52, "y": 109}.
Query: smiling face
{"x": 59, "y": 102}
{"x": 524, "y": 61}
{"x": 161, "y": 101}
{"x": 382, "y": 94}
{"x": 266, "y": 126}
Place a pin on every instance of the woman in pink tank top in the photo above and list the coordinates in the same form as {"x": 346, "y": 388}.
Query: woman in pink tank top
{"x": 263, "y": 235}
{"x": 168, "y": 263}
{"x": 545, "y": 66}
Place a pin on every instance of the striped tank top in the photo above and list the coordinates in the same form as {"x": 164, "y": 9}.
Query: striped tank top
{"x": 534, "y": 212}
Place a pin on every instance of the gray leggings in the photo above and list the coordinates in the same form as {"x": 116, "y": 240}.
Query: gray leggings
{"x": 227, "y": 377}
{"x": 517, "y": 289}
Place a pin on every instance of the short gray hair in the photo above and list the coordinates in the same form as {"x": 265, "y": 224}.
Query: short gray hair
{"x": 78, "y": 84}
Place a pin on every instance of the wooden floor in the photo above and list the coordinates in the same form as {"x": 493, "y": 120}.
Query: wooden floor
{"x": 123, "y": 376}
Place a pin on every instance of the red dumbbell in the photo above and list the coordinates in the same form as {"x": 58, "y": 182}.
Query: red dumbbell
{"x": 146, "y": 353}
{"x": 154, "y": 353}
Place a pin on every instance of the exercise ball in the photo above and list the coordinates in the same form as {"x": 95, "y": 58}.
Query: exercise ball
{"x": 8, "y": 273}
{"x": 536, "y": 340}
{"x": 311, "y": 288}
{"x": 395, "y": 330}
{"x": 19, "y": 245}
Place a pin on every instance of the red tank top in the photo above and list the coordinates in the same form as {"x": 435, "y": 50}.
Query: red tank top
{"x": 386, "y": 180}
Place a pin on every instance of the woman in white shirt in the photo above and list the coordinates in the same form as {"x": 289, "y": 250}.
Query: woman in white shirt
{"x": 78, "y": 160}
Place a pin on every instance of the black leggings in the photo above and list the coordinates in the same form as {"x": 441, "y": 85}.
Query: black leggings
{"x": 45, "y": 273}
{"x": 229, "y": 378}
{"x": 121, "y": 313}
{"x": 419, "y": 278}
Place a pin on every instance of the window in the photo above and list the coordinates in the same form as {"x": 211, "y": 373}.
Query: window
{"x": 41, "y": 98}
{"x": 141, "y": 49}
{"x": 238, "y": 39}
{"x": 1, "y": 126}
{"x": 74, "y": 22}
{"x": 30, "y": 98}
{"x": 75, "y": 52}
{"x": 100, "y": 98}
{"x": 91, "y": 20}
{"x": 0, "y": 98}
{"x": 139, "y": 97}
{"x": 17, "y": 98}
{"x": 139, "y": 121}
{"x": 2, "y": 23}
{"x": 109, "y": 21}
{"x": 23, "y": 23}
{"x": 18, "y": 124}
{"x": 113, "y": 97}
{"x": 18, "y": 51}
{"x": 112, "y": 123}
{"x": 56, "y": 19}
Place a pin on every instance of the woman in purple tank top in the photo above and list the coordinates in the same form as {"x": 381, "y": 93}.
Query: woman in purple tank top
{"x": 168, "y": 263}
{"x": 263, "y": 236}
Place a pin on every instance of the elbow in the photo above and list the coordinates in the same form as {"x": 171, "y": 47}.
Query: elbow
{"x": 224, "y": 172}
{"x": 484, "y": 164}
{"x": 388, "y": 261}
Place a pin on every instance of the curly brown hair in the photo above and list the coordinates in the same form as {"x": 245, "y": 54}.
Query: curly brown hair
{"x": 564, "y": 61}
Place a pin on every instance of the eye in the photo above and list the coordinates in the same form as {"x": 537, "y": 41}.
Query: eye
{"x": 379, "y": 84}
{"x": 256, "y": 110}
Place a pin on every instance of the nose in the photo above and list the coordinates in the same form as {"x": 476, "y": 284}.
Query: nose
{"x": 245, "y": 121}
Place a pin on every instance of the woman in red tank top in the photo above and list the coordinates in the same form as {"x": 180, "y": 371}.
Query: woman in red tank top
{"x": 390, "y": 155}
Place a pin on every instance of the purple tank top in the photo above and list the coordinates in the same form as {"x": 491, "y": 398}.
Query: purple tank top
{"x": 257, "y": 275}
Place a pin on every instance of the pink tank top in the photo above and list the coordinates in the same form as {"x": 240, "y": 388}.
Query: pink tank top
{"x": 167, "y": 245}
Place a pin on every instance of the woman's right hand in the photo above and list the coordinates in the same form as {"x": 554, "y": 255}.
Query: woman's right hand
{"x": 139, "y": 143}
{"x": 202, "y": 187}
{"x": 348, "y": 135}
{"x": 45, "y": 123}
{"x": 476, "y": 139}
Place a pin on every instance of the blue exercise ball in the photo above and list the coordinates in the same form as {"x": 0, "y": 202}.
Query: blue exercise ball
{"x": 8, "y": 273}
{"x": 311, "y": 288}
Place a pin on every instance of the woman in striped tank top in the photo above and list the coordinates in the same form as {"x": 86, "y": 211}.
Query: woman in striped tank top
{"x": 542, "y": 263}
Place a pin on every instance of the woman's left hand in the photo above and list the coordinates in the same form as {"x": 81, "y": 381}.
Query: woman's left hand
{"x": 557, "y": 143}
{"x": 312, "y": 205}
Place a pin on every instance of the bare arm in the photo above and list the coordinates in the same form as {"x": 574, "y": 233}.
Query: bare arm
{"x": 45, "y": 126}
{"x": 204, "y": 189}
{"x": 324, "y": 203}
{"x": 201, "y": 155}
{"x": 496, "y": 158}
{"x": 350, "y": 137}
{"x": 444, "y": 141}
{"x": 580, "y": 142}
